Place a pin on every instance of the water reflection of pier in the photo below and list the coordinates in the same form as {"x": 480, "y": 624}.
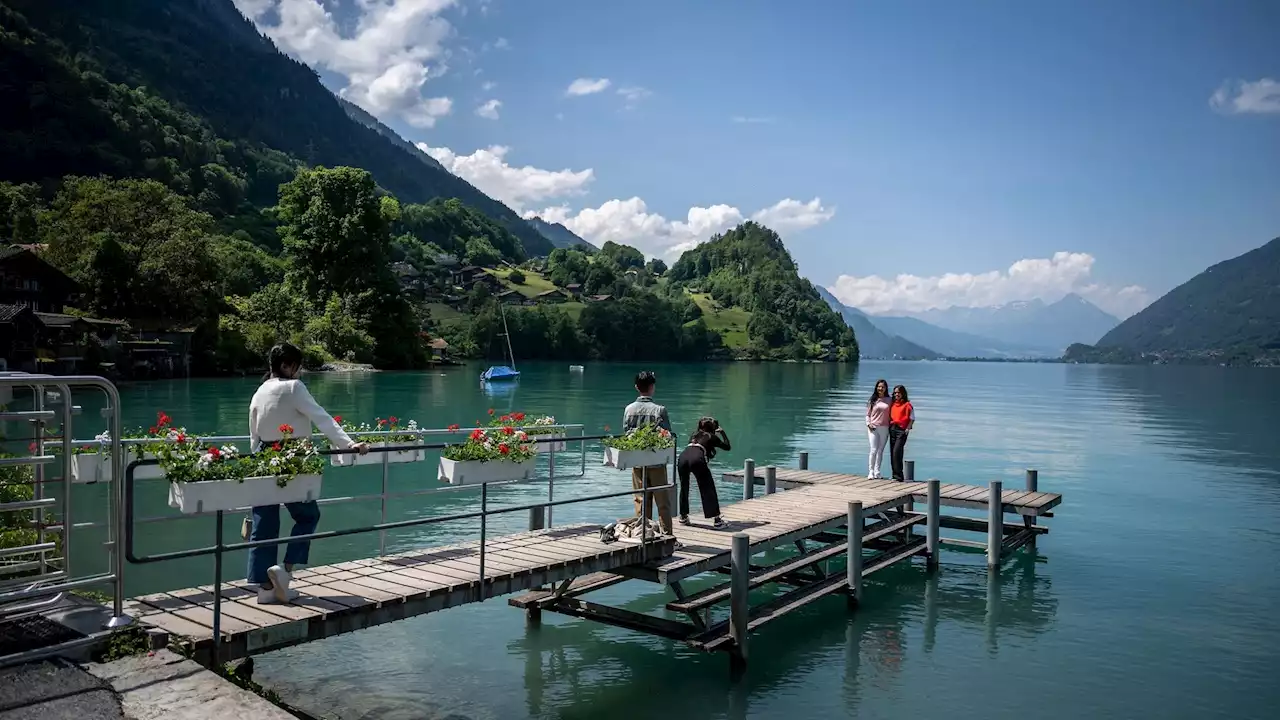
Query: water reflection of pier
{"x": 574, "y": 668}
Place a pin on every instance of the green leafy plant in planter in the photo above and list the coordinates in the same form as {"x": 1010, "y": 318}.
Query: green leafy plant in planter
{"x": 647, "y": 437}
{"x": 397, "y": 435}
{"x": 187, "y": 462}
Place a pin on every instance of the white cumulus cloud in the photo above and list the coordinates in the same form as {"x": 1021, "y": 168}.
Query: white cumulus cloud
{"x": 489, "y": 110}
{"x": 1045, "y": 278}
{"x": 791, "y": 214}
{"x": 386, "y": 56}
{"x": 587, "y": 86}
{"x": 488, "y": 170}
{"x": 1238, "y": 97}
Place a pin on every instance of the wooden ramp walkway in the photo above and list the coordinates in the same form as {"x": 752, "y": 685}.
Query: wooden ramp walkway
{"x": 1016, "y": 502}
{"x": 350, "y": 596}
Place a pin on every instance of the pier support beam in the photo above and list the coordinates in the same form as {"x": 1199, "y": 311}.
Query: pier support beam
{"x": 770, "y": 480}
{"x": 1033, "y": 485}
{"x": 995, "y": 524}
{"x": 804, "y": 460}
{"x": 853, "y": 563}
{"x": 739, "y": 588}
{"x": 749, "y": 479}
{"x": 933, "y": 513}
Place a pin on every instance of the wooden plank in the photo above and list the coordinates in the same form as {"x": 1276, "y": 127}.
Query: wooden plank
{"x": 196, "y": 614}
{"x": 249, "y": 614}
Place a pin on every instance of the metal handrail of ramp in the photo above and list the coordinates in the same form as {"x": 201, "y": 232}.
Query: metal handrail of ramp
{"x": 219, "y": 548}
{"x": 29, "y": 587}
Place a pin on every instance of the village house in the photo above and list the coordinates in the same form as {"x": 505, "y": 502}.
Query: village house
{"x": 551, "y": 296}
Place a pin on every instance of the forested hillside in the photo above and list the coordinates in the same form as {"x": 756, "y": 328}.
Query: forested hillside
{"x": 90, "y": 75}
{"x": 1229, "y": 312}
{"x": 748, "y": 267}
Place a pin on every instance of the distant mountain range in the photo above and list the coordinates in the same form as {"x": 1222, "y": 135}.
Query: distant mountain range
{"x": 559, "y": 235}
{"x": 872, "y": 341}
{"x": 1027, "y": 324}
{"x": 1028, "y": 329}
{"x": 1228, "y": 313}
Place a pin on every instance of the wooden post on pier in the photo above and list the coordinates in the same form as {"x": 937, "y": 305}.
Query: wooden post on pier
{"x": 749, "y": 479}
{"x": 995, "y": 524}
{"x": 537, "y": 518}
{"x": 804, "y": 460}
{"x": 770, "y": 480}
{"x": 739, "y": 588}
{"x": 909, "y": 470}
{"x": 853, "y": 561}
{"x": 933, "y": 512}
{"x": 1033, "y": 485}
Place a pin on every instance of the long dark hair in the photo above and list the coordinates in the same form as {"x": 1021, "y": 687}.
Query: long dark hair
{"x": 875, "y": 392}
{"x": 707, "y": 427}
{"x": 281, "y": 355}
{"x": 902, "y": 389}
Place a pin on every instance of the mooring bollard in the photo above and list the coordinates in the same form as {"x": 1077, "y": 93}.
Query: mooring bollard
{"x": 933, "y": 512}
{"x": 1033, "y": 485}
{"x": 770, "y": 480}
{"x": 739, "y": 587}
{"x": 749, "y": 479}
{"x": 853, "y": 561}
{"x": 995, "y": 523}
{"x": 804, "y": 460}
{"x": 537, "y": 518}
{"x": 909, "y": 470}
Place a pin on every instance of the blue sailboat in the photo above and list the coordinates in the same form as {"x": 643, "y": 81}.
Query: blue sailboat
{"x": 502, "y": 373}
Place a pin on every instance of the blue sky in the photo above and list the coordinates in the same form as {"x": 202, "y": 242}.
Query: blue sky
{"x": 912, "y": 154}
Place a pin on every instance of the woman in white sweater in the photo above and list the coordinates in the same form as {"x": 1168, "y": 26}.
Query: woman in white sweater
{"x": 282, "y": 399}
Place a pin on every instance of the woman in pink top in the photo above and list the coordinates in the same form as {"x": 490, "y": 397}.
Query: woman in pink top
{"x": 878, "y": 408}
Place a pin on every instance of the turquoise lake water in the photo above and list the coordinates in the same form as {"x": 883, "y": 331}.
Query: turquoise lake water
{"x": 1153, "y": 596}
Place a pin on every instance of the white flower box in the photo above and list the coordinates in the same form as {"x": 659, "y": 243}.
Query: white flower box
{"x": 475, "y": 472}
{"x": 375, "y": 458}
{"x": 210, "y": 495}
{"x": 628, "y": 459}
{"x": 94, "y": 467}
{"x": 545, "y": 447}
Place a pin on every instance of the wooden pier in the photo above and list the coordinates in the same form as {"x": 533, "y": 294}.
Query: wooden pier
{"x": 350, "y": 596}
{"x": 823, "y": 517}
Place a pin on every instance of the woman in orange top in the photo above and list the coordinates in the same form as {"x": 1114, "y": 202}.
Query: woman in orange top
{"x": 902, "y": 416}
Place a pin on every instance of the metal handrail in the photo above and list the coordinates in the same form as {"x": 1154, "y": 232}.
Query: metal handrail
{"x": 52, "y": 585}
{"x": 219, "y": 547}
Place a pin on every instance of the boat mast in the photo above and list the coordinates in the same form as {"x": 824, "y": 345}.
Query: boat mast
{"x": 507, "y": 335}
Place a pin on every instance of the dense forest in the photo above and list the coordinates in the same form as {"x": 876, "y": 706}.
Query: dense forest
{"x": 186, "y": 173}
{"x": 1230, "y": 314}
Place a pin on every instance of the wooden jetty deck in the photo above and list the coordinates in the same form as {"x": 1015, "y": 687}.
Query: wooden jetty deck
{"x": 1015, "y": 502}
{"x": 558, "y": 566}
{"x": 350, "y": 596}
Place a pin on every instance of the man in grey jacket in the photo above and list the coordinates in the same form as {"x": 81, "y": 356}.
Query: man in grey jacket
{"x": 644, "y": 411}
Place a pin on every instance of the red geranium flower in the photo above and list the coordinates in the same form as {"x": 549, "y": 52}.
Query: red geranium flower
{"x": 215, "y": 452}
{"x": 518, "y": 416}
{"x": 181, "y": 438}
{"x": 381, "y": 422}
{"x": 394, "y": 419}
{"x": 477, "y": 434}
{"x": 490, "y": 412}
{"x": 337, "y": 419}
{"x": 606, "y": 428}
{"x": 509, "y": 430}
{"x": 285, "y": 428}
{"x": 154, "y": 429}
{"x": 505, "y": 418}
{"x": 454, "y": 428}
{"x": 275, "y": 446}
{"x": 504, "y": 448}
{"x": 32, "y": 447}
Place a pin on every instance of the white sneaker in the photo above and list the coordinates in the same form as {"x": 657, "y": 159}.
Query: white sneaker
{"x": 280, "y": 580}
{"x": 268, "y": 596}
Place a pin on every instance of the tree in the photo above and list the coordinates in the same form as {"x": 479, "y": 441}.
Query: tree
{"x": 516, "y": 277}
{"x": 624, "y": 255}
{"x": 136, "y": 247}
{"x": 481, "y": 252}
{"x": 656, "y": 266}
{"x": 768, "y": 327}
{"x": 335, "y": 231}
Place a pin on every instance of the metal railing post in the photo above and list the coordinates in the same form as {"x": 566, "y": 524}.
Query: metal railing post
{"x": 217, "y": 591}
{"x": 118, "y": 619}
{"x": 386, "y": 473}
{"x": 484, "y": 516}
{"x": 551, "y": 481}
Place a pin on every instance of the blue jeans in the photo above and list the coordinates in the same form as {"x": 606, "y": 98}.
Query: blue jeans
{"x": 266, "y": 526}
